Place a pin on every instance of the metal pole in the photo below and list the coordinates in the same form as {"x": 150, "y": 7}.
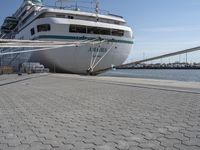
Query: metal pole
{"x": 76, "y": 5}
{"x": 1, "y": 61}
{"x": 1, "y": 58}
{"x": 97, "y": 10}
{"x": 54, "y": 68}
{"x": 97, "y": 6}
{"x": 186, "y": 58}
{"x": 143, "y": 55}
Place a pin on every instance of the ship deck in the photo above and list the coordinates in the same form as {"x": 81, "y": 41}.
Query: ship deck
{"x": 60, "y": 111}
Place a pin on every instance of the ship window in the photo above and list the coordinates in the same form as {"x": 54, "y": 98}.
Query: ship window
{"x": 60, "y": 15}
{"x": 116, "y": 32}
{"x": 70, "y": 17}
{"x": 95, "y": 30}
{"x": 43, "y": 27}
{"x": 77, "y": 29}
{"x": 32, "y": 31}
{"x": 104, "y": 31}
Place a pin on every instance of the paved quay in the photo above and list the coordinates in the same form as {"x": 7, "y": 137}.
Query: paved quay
{"x": 72, "y": 112}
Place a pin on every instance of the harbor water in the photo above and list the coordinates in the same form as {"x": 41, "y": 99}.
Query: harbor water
{"x": 168, "y": 74}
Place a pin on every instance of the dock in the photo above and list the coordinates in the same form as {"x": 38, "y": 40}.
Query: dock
{"x": 73, "y": 112}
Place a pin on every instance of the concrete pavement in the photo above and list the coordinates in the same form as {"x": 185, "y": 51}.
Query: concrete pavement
{"x": 63, "y": 112}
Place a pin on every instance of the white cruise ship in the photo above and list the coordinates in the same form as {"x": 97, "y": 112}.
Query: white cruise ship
{"x": 33, "y": 21}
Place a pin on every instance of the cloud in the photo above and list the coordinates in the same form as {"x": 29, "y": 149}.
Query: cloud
{"x": 172, "y": 29}
{"x": 156, "y": 44}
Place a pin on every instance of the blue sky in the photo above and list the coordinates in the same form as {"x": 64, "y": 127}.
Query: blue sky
{"x": 160, "y": 26}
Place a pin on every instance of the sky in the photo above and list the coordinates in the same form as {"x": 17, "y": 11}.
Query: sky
{"x": 159, "y": 26}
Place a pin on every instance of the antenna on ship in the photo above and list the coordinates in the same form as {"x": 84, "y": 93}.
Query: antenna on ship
{"x": 97, "y": 7}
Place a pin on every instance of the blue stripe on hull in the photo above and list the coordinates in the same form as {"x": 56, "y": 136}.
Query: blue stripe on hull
{"x": 79, "y": 38}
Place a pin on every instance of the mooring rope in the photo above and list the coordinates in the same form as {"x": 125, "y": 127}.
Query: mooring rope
{"x": 91, "y": 67}
{"x": 102, "y": 57}
{"x": 47, "y": 47}
{"x": 93, "y": 62}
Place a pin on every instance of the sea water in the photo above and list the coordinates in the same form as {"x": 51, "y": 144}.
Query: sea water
{"x": 164, "y": 74}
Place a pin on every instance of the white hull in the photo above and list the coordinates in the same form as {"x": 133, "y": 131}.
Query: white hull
{"x": 48, "y": 24}
{"x": 79, "y": 59}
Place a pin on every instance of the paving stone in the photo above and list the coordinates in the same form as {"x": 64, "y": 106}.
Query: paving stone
{"x": 185, "y": 147}
{"x": 3, "y": 146}
{"x": 168, "y": 142}
{"x": 105, "y": 147}
{"x": 123, "y": 145}
{"x": 10, "y": 136}
{"x": 178, "y": 136}
{"x": 96, "y": 141}
{"x": 190, "y": 134}
{"x": 137, "y": 138}
{"x": 19, "y": 147}
{"x": 151, "y": 144}
{"x": 64, "y": 147}
{"x": 54, "y": 144}
{"x": 30, "y": 139}
{"x": 192, "y": 142}
{"x": 152, "y": 136}
{"x": 13, "y": 143}
{"x": 138, "y": 148}
{"x": 39, "y": 146}
{"x": 172, "y": 148}
{"x": 81, "y": 145}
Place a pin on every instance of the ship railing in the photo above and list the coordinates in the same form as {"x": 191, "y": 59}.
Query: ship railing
{"x": 86, "y": 9}
{"x": 79, "y": 8}
{"x": 2, "y": 35}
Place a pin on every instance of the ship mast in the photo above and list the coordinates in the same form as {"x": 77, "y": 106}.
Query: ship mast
{"x": 97, "y": 9}
{"x": 97, "y": 6}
